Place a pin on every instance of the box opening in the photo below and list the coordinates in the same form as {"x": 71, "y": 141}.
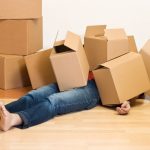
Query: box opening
{"x": 62, "y": 49}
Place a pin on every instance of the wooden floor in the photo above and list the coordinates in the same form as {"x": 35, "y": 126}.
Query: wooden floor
{"x": 14, "y": 94}
{"x": 97, "y": 129}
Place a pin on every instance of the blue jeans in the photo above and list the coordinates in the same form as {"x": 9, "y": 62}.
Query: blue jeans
{"x": 47, "y": 102}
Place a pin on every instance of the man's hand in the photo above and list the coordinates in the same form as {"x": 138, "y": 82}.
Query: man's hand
{"x": 124, "y": 109}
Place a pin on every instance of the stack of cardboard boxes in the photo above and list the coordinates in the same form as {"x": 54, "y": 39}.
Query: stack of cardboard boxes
{"x": 20, "y": 34}
{"x": 119, "y": 71}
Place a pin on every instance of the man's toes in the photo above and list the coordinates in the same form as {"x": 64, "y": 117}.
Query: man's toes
{"x": 1, "y": 103}
{"x": 4, "y": 111}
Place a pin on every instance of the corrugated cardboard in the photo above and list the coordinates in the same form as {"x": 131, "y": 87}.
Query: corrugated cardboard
{"x": 132, "y": 44}
{"x": 13, "y": 72}
{"x": 69, "y": 63}
{"x": 122, "y": 79}
{"x": 40, "y": 69}
{"x": 20, "y": 9}
{"x": 103, "y": 44}
{"x": 145, "y": 52}
{"x": 21, "y": 37}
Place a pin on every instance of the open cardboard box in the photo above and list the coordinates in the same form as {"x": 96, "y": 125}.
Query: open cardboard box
{"x": 103, "y": 44}
{"x": 21, "y": 37}
{"x": 13, "y": 72}
{"x": 40, "y": 69}
{"x": 20, "y": 9}
{"x": 69, "y": 62}
{"x": 145, "y": 52}
{"x": 121, "y": 79}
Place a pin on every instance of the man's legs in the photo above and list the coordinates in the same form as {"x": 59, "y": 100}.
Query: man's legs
{"x": 61, "y": 103}
{"x": 32, "y": 98}
{"x": 58, "y": 104}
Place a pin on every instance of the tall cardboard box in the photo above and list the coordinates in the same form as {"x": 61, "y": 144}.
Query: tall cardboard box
{"x": 145, "y": 52}
{"x": 13, "y": 72}
{"x": 20, "y": 9}
{"x": 70, "y": 63}
{"x": 132, "y": 44}
{"x": 103, "y": 44}
{"x": 121, "y": 79}
{"x": 40, "y": 69}
{"x": 21, "y": 37}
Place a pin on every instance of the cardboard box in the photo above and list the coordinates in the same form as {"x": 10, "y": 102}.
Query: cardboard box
{"x": 122, "y": 79}
{"x": 40, "y": 69}
{"x": 20, "y": 9}
{"x": 21, "y": 37}
{"x": 145, "y": 52}
{"x": 132, "y": 44}
{"x": 70, "y": 63}
{"x": 13, "y": 72}
{"x": 103, "y": 44}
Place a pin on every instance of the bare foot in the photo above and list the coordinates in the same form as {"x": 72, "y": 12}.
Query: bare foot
{"x": 7, "y": 119}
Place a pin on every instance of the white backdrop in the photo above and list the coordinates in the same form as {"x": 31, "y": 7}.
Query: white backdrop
{"x": 75, "y": 15}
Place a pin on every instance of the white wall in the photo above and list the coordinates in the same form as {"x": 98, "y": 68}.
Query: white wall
{"x": 75, "y": 15}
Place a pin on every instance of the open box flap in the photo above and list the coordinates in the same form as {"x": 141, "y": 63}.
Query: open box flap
{"x": 72, "y": 41}
{"x": 58, "y": 43}
{"x": 97, "y": 30}
{"x": 115, "y": 34}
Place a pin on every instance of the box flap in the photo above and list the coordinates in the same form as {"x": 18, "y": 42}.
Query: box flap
{"x": 72, "y": 41}
{"x": 97, "y": 30}
{"x": 122, "y": 59}
{"x": 57, "y": 43}
{"x": 115, "y": 34}
{"x": 146, "y": 47}
{"x": 132, "y": 44}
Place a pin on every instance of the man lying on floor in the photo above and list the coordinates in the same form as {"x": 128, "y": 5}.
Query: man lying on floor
{"x": 43, "y": 104}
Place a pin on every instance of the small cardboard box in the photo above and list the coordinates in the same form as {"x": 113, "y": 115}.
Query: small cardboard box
{"x": 20, "y": 9}
{"x": 13, "y": 72}
{"x": 132, "y": 44}
{"x": 70, "y": 63}
{"x": 40, "y": 69}
{"x": 21, "y": 37}
{"x": 145, "y": 52}
{"x": 122, "y": 79}
{"x": 103, "y": 44}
